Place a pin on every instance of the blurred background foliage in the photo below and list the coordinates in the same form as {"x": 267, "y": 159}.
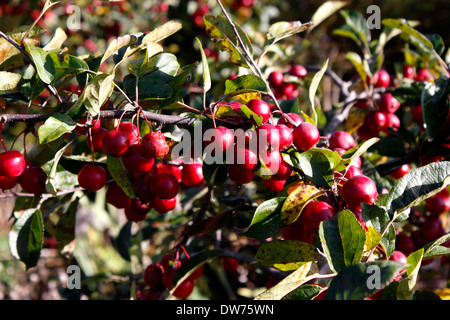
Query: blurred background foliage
{"x": 98, "y": 225}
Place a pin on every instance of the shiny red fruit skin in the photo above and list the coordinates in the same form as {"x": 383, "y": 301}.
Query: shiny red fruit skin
{"x": 131, "y": 130}
{"x": 164, "y": 186}
{"x": 135, "y": 161}
{"x": 115, "y": 143}
{"x": 408, "y": 71}
{"x": 298, "y": 70}
{"x": 92, "y": 177}
{"x": 192, "y": 175}
{"x": 274, "y": 184}
{"x": 240, "y": 176}
{"x": 306, "y": 135}
{"x": 296, "y": 118}
{"x": 223, "y": 139}
{"x": 400, "y": 172}
{"x": 245, "y": 158}
{"x": 359, "y": 189}
{"x": 341, "y": 139}
{"x": 8, "y": 183}
{"x": 12, "y": 164}
{"x": 132, "y": 215}
{"x": 375, "y": 120}
{"x": 260, "y": 107}
{"x": 315, "y": 212}
{"x": 388, "y": 103}
{"x": 286, "y": 136}
{"x": 154, "y": 145}
{"x": 275, "y": 78}
{"x": 33, "y": 179}
{"x": 95, "y": 139}
{"x": 164, "y": 205}
{"x": 381, "y": 78}
{"x": 184, "y": 289}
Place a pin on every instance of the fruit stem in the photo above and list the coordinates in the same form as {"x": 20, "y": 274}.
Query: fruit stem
{"x": 3, "y": 143}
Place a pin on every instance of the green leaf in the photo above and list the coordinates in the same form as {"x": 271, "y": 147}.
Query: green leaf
{"x": 361, "y": 280}
{"x": 353, "y": 237}
{"x": 117, "y": 44}
{"x": 26, "y": 237}
{"x": 120, "y": 175}
{"x": 205, "y": 71}
{"x": 54, "y": 127}
{"x": 378, "y": 218}
{"x": 355, "y": 28}
{"x": 294, "y": 280}
{"x": 283, "y": 29}
{"x": 285, "y": 255}
{"x": 416, "y": 186}
{"x": 266, "y": 208}
{"x": 358, "y": 64}
{"x": 342, "y": 239}
{"x": 304, "y": 292}
{"x": 244, "y": 84}
{"x": 434, "y": 248}
{"x": 220, "y": 29}
{"x": 313, "y": 88}
{"x": 405, "y": 288}
{"x": 435, "y": 106}
{"x": 163, "y": 31}
{"x": 9, "y": 80}
{"x": 317, "y": 166}
{"x": 49, "y": 183}
{"x": 404, "y": 26}
{"x": 149, "y": 88}
{"x": 409, "y": 94}
{"x": 45, "y": 66}
{"x": 325, "y": 10}
{"x": 266, "y": 221}
{"x": 91, "y": 93}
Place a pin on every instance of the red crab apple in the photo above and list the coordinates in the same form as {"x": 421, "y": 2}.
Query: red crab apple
{"x": 154, "y": 145}
{"x": 306, "y": 135}
{"x": 12, "y": 164}
{"x": 222, "y": 137}
{"x": 164, "y": 186}
{"x": 192, "y": 174}
{"x": 341, "y": 139}
{"x": 298, "y": 70}
{"x": 400, "y": 172}
{"x": 274, "y": 184}
{"x": 275, "y": 78}
{"x": 388, "y": 103}
{"x": 359, "y": 188}
{"x": 315, "y": 212}
{"x": 423, "y": 74}
{"x": 240, "y": 176}
{"x": 131, "y": 130}
{"x": 7, "y": 183}
{"x": 95, "y": 139}
{"x": 286, "y": 136}
{"x": 408, "y": 71}
{"x": 296, "y": 118}
{"x": 184, "y": 289}
{"x": 261, "y": 108}
{"x": 32, "y": 180}
{"x": 115, "y": 143}
{"x": 381, "y": 78}
{"x": 375, "y": 119}
{"x": 164, "y": 205}
{"x": 136, "y": 211}
{"x": 268, "y": 136}
{"x": 405, "y": 243}
{"x": 135, "y": 161}
{"x": 245, "y": 158}
{"x": 92, "y": 177}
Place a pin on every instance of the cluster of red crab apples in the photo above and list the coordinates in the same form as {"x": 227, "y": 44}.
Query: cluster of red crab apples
{"x": 156, "y": 183}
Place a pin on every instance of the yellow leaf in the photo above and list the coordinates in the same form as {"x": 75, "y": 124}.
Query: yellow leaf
{"x": 354, "y": 120}
{"x": 299, "y": 194}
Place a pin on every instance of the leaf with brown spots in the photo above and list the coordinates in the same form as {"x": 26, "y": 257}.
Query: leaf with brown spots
{"x": 299, "y": 194}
